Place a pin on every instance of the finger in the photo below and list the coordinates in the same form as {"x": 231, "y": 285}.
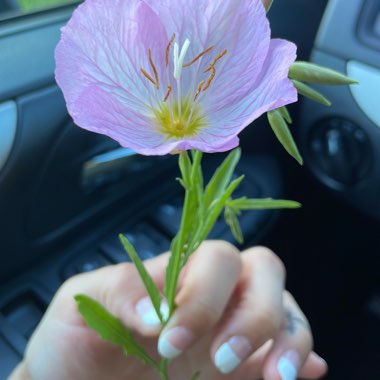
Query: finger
{"x": 252, "y": 368}
{"x": 292, "y": 347}
{"x": 257, "y": 316}
{"x": 207, "y": 285}
{"x": 119, "y": 289}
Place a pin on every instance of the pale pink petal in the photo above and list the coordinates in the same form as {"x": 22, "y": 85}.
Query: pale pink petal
{"x": 104, "y": 46}
{"x": 239, "y": 26}
{"x": 271, "y": 90}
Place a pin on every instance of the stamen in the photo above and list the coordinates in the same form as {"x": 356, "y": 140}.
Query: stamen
{"x": 154, "y": 69}
{"x": 168, "y": 50}
{"x": 147, "y": 76}
{"x": 199, "y": 90}
{"x": 211, "y": 78}
{"x": 218, "y": 58}
{"x": 168, "y": 92}
{"x": 198, "y": 56}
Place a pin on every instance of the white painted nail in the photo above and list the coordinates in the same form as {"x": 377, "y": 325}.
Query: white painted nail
{"x": 288, "y": 365}
{"x": 226, "y": 359}
{"x": 174, "y": 341}
{"x": 148, "y": 314}
{"x": 232, "y": 353}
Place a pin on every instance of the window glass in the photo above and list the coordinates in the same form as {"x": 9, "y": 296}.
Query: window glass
{"x": 14, "y": 8}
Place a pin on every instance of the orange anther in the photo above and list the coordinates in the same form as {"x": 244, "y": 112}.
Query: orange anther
{"x": 198, "y": 56}
{"x": 147, "y": 76}
{"x": 157, "y": 82}
{"x": 168, "y": 92}
{"x": 168, "y": 50}
{"x": 200, "y": 86}
{"x": 218, "y": 58}
{"x": 211, "y": 78}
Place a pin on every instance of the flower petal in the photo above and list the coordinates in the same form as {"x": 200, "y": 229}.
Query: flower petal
{"x": 271, "y": 90}
{"x": 239, "y": 26}
{"x": 95, "y": 51}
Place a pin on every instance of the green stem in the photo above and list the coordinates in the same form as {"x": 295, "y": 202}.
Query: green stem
{"x": 164, "y": 365}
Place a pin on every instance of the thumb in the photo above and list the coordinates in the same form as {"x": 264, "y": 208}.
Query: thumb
{"x": 118, "y": 288}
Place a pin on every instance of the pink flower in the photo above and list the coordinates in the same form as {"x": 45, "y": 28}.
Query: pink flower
{"x": 167, "y": 75}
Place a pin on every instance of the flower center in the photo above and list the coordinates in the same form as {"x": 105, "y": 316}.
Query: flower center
{"x": 179, "y": 115}
{"x": 179, "y": 125}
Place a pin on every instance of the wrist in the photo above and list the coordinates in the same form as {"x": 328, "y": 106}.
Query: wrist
{"x": 20, "y": 372}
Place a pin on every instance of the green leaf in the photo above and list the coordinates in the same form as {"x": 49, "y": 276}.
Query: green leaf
{"x": 150, "y": 286}
{"x": 196, "y": 375}
{"x": 285, "y": 114}
{"x": 310, "y": 93}
{"x": 283, "y": 134}
{"x": 212, "y": 215}
{"x": 222, "y": 177}
{"x": 231, "y": 218}
{"x": 312, "y": 73}
{"x": 245, "y": 203}
{"x": 110, "y": 328}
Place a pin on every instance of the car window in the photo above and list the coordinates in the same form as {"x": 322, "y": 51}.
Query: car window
{"x": 15, "y": 8}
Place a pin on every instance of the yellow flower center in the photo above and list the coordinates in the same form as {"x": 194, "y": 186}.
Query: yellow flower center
{"x": 187, "y": 124}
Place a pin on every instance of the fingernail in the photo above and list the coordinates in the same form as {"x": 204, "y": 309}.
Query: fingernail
{"x": 288, "y": 365}
{"x": 230, "y": 354}
{"x": 173, "y": 342}
{"x": 148, "y": 313}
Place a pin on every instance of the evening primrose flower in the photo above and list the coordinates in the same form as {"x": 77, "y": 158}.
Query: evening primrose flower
{"x": 169, "y": 75}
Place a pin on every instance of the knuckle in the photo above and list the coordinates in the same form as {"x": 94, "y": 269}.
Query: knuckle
{"x": 269, "y": 323}
{"x": 272, "y": 260}
{"x": 227, "y": 253}
{"x": 204, "y": 312}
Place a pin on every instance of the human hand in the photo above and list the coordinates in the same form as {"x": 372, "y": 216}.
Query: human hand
{"x": 224, "y": 297}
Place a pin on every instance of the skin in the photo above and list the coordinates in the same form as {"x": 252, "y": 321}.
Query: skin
{"x": 250, "y": 301}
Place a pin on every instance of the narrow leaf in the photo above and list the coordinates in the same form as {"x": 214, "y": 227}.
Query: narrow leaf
{"x": 283, "y": 134}
{"x": 310, "y": 72}
{"x": 150, "y": 286}
{"x": 110, "y": 328}
{"x": 222, "y": 177}
{"x": 285, "y": 114}
{"x": 310, "y": 93}
{"x": 215, "y": 210}
{"x": 245, "y": 203}
{"x": 232, "y": 221}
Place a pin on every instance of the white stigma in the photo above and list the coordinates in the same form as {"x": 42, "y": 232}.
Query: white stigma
{"x": 179, "y": 58}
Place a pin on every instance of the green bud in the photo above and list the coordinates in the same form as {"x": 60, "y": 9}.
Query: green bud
{"x": 310, "y": 72}
{"x": 283, "y": 134}
{"x": 285, "y": 114}
{"x": 310, "y": 93}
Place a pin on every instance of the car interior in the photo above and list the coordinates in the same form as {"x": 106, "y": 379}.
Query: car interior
{"x": 66, "y": 193}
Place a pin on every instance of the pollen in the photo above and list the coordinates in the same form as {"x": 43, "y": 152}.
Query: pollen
{"x": 172, "y": 125}
{"x": 199, "y": 56}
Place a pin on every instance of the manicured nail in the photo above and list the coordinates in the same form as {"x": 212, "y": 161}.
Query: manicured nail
{"x": 230, "y": 354}
{"x": 148, "y": 314}
{"x": 288, "y": 365}
{"x": 174, "y": 341}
